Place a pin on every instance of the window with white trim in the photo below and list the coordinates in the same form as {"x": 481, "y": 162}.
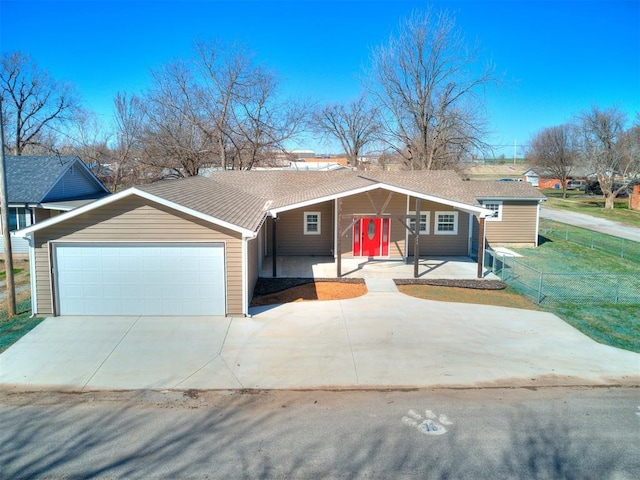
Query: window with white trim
{"x": 425, "y": 219}
{"x": 496, "y": 207}
{"x": 312, "y": 223}
{"x": 446, "y": 223}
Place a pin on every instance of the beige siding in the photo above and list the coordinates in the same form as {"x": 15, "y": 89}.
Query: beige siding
{"x": 292, "y": 241}
{"x": 363, "y": 204}
{"x": 517, "y": 227}
{"x": 41, "y": 214}
{"x": 134, "y": 219}
{"x": 438, "y": 244}
{"x": 290, "y": 236}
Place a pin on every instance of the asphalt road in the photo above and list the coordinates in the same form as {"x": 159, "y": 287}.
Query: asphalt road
{"x": 577, "y": 432}
{"x": 601, "y": 225}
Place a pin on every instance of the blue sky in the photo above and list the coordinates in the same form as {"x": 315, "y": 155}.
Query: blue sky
{"x": 558, "y": 57}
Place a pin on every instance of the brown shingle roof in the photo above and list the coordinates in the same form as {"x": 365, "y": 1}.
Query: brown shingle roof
{"x": 503, "y": 190}
{"x": 215, "y": 199}
{"x": 242, "y": 198}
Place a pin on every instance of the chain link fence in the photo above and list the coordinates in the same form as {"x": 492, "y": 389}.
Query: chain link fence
{"x": 564, "y": 287}
{"x": 621, "y": 247}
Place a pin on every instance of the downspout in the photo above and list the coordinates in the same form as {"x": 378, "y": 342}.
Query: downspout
{"x": 245, "y": 277}
{"x": 406, "y": 232}
{"x": 481, "y": 221}
{"x": 470, "y": 239}
{"x": 338, "y": 239}
{"x": 274, "y": 248}
{"x": 32, "y": 280}
{"x": 245, "y": 273}
{"x": 537, "y": 233}
{"x": 416, "y": 241}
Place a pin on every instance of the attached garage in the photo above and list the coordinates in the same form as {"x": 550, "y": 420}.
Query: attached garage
{"x": 135, "y": 253}
{"x": 139, "y": 279}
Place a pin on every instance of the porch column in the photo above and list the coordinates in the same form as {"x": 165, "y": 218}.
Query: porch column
{"x": 480, "y": 246}
{"x": 274, "y": 249}
{"x": 416, "y": 240}
{"x": 339, "y": 240}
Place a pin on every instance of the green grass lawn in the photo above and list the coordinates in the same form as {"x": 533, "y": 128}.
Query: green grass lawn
{"x": 502, "y": 298}
{"x": 3, "y": 273}
{"x": 559, "y": 256}
{"x": 610, "y": 324}
{"x": 617, "y": 325}
{"x": 11, "y": 330}
{"x": 592, "y": 205}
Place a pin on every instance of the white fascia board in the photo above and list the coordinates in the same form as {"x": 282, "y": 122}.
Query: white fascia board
{"x": 74, "y": 213}
{"x": 25, "y": 232}
{"x": 521, "y": 199}
{"x": 465, "y": 207}
{"x": 457, "y": 205}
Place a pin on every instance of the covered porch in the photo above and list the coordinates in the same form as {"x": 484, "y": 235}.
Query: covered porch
{"x": 443, "y": 267}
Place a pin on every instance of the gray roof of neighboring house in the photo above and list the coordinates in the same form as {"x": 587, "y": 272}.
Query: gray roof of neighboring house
{"x": 242, "y": 198}
{"x": 579, "y": 171}
{"x": 31, "y": 177}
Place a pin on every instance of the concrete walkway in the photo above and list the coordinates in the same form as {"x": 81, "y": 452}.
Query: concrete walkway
{"x": 382, "y": 339}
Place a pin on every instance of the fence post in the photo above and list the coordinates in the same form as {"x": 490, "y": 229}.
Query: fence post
{"x": 540, "y": 287}
{"x": 513, "y": 269}
{"x": 566, "y": 234}
{"x": 617, "y": 289}
{"x": 592, "y": 234}
{"x": 622, "y": 249}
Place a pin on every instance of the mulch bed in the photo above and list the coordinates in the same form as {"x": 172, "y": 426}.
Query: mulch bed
{"x": 265, "y": 286}
{"x": 474, "y": 284}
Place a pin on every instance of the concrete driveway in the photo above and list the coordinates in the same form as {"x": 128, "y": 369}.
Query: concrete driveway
{"x": 380, "y": 339}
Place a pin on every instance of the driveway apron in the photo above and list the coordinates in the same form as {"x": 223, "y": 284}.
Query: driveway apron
{"x": 382, "y": 339}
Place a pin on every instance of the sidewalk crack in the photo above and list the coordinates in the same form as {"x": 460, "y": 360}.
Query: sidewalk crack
{"x": 353, "y": 358}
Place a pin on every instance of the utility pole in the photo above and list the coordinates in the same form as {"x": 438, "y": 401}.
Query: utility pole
{"x": 4, "y": 212}
{"x": 515, "y": 143}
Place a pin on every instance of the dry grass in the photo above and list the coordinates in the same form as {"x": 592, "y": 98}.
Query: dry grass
{"x": 500, "y": 298}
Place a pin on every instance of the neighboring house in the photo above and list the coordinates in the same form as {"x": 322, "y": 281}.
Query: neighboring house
{"x": 196, "y": 246}
{"x": 309, "y": 166}
{"x": 541, "y": 178}
{"x": 39, "y": 187}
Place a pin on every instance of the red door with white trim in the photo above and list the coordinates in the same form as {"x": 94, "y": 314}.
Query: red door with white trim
{"x": 371, "y": 237}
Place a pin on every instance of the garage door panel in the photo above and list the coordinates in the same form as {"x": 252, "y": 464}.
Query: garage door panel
{"x": 135, "y": 279}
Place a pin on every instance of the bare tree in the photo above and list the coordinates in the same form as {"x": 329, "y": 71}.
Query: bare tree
{"x": 127, "y": 150}
{"x": 553, "y": 150}
{"x": 243, "y": 98}
{"x": 429, "y": 94}
{"x": 354, "y": 125}
{"x": 88, "y": 139}
{"x": 603, "y": 149}
{"x": 219, "y": 109}
{"x": 630, "y": 148}
{"x": 174, "y": 137}
{"x": 33, "y": 102}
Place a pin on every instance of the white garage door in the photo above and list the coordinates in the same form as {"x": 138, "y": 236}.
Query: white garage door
{"x": 140, "y": 279}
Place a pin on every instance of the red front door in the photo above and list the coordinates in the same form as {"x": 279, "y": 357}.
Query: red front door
{"x": 371, "y": 237}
